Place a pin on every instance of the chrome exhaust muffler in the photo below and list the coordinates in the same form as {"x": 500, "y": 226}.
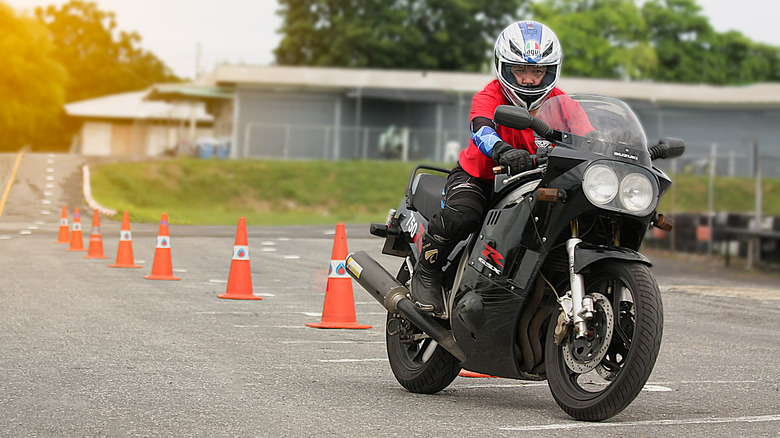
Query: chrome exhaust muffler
{"x": 391, "y": 294}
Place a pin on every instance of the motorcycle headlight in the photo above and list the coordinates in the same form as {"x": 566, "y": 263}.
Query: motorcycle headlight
{"x": 620, "y": 187}
{"x": 600, "y": 184}
{"x": 636, "y": 192}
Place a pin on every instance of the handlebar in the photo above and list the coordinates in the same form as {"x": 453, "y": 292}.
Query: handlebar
{"x": 538, "y": 159}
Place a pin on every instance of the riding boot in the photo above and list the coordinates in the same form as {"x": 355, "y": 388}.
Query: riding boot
{"x": 428, "y": 274}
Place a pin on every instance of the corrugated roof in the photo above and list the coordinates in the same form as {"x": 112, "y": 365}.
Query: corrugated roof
{"x": 286, "y": 77}
{"x": 132, "y": 105}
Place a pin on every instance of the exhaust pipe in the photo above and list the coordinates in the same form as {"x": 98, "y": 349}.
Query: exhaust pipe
{"x": 393, "y": 296}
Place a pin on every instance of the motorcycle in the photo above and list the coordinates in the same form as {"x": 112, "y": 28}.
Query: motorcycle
{"x": 552, "y": 286}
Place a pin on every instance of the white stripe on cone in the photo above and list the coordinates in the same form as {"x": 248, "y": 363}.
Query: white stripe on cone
{"x": 338, "y": 269}
{"x": 240, "y": 252}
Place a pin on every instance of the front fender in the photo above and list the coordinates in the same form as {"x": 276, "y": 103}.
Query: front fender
{"x": 585, "y": 254}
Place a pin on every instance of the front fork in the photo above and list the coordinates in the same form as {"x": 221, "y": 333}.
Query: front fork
{"x": 577, "y": 307}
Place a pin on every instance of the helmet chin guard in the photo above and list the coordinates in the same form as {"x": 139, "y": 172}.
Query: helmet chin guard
{"x": 527, "y": 43}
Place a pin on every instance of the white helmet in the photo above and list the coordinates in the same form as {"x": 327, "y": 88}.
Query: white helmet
{"x": 527, "y": 43}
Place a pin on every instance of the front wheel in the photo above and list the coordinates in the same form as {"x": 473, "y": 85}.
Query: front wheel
{"x": 419, "y": 364}
{"x": 597, "y": 376}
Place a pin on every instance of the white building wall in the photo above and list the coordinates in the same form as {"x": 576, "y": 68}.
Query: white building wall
{"x": 96, "y": 139}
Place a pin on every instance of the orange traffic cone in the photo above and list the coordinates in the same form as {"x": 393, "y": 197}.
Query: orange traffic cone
{"x": 467, "y": 373}
{"x": 162, "y": 268}
{"x": 64, "y": 236}
{"x": 124, "y": 255}
{"x": 239, "y": 286}
{"x": 76, "y": 240}
{"x": 339, "y": 308}
{"x": 95, "y": 239}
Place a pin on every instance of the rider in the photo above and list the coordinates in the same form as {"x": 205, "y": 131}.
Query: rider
{"x": 527, "y": 64}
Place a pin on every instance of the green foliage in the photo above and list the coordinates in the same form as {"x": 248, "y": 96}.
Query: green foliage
{"x": 689, "y": 50}
{"x": 31, "y": 80}
{"x": 197, "y": 191}
{"x": 664, "y": 40}
{"x": 600, "y": 38}
{"x": 194, "y": 191}
{"x": 401, "y": 34}
{"x": 689, "y": 194}
{"x": 99, "y": 60}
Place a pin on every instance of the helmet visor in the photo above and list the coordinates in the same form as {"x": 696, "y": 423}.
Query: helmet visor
{"x": 533, "y": 78}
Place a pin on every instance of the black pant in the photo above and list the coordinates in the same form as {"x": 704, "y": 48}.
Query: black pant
{"x": 465, "y": 204}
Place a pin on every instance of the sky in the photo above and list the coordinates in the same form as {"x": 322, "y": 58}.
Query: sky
{"x": 200, "y": 34}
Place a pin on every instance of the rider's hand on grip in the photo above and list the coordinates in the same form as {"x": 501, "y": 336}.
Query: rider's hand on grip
{"x": 515, "y": 160}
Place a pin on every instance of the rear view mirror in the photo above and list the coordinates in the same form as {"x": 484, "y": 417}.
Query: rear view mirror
{"x": 512, "y": 117}
{"x": 667, "y": 147}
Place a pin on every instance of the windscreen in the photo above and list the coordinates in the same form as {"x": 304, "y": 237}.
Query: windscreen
{"x": 601, "y": 124}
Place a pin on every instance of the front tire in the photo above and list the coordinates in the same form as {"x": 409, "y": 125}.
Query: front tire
{"x": 419, "y": 364}
{"x": 629, "y": 323}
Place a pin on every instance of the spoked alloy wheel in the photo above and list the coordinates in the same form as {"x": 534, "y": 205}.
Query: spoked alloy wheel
{"x": 419, "y": 364}
{"x": 596, "y": 377}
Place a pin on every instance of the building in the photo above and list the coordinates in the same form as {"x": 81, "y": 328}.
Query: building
{"x": 126, "y": 124}
{"x": 339, "y": 113}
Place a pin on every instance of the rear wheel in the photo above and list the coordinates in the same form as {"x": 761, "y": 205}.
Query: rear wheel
{"x": 419, "y": 364}
{"x": 596, "y": 377}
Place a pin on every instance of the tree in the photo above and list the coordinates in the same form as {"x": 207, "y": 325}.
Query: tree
{"x": 32, "y": 81}
{"x": 690, "y": 50}
{"x": 401, "y": 34}
{"x": 600, "y": 38}
{"x": 99, "y": 60}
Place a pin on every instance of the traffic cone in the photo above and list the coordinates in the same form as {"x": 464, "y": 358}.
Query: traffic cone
{"x": 339, "y": 308}
{"x": 467, "y": 373}
{"x": 239, "y": 286}
{"x": 162, "y": 268}
{"x": 124, "y": 255}
{"x": 76, "y": 240}
{"x": 95, "y": 239}
{"x": 64, "y": 236}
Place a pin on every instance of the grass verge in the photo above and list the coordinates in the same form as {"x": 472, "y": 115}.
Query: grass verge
{"x": 212, "y": 192}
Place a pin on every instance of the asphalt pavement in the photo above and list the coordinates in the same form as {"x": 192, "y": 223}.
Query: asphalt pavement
{"x": 88, "y": 350}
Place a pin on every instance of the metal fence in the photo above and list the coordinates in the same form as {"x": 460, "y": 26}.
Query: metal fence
{"x": 349, "y": 143}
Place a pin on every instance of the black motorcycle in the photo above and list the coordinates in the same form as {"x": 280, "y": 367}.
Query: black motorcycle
{"x": 552, "y": 286}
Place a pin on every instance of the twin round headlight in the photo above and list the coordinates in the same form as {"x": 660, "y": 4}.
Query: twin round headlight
{"x": 619, "y": 189}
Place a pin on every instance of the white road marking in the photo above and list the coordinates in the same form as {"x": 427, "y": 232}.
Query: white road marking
{"x": 268, "y": 243}
{"x": 656, "y": 388}
{"x": 5, "y": 237}
{"x": 45, "y": 212}
{"x": 49, "y": 178}
{"x": 333, "y": 342}
{"x": 292, "y": 257}
{"x": 351, "y": 360}
{"x": 580, "y": 425}
{"x": 269, "y": 249}
{"x": 25, "y": 232}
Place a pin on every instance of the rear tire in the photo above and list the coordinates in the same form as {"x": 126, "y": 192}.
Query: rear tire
{"x": 419, "y": 364}
{"x": 594, "y": 390}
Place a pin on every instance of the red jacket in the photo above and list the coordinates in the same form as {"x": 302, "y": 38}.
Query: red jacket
{"x": 484, "y": 104}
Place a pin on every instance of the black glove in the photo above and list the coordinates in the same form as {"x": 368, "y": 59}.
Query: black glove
{"x": 515, "y": 160}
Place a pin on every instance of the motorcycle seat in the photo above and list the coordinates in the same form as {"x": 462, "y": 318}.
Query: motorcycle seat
{"x": 427, "y": 194}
